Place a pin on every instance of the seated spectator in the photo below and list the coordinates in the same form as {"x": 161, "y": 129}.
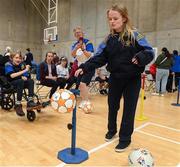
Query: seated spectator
{"x": 17, "y": 74}
{"x": 62, "y": 72}
{"x": 72, "y": 79}
{"x": 48, "y": 74}
{"x": 3, "y": 61}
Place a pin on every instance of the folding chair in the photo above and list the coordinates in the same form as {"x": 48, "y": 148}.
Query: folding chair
{"x": 150, "y": 84}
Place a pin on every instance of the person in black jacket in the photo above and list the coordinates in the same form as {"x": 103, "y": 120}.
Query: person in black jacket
{"x": 17, "y": 74}
{"x": 28, "y": 57}
{"x": 126, "y": 52}
{"x": 48, "y": 74}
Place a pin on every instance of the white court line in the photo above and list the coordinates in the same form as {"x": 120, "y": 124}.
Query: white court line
{"x": 105, "y": 144}
{"x": 142, "y": 126}
{"x": 162, "y": 126}
{"x": 162, "y": 138}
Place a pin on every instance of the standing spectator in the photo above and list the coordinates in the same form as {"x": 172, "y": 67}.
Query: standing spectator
{"x": 28, "y": 58}
{"x": 82, "y": 50}
{"x": 56, "y": 59}
{"x": 176, "y": 67}
{"x": 163, "y": 62}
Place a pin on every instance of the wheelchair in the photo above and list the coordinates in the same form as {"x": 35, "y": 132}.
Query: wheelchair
{"x": 7, "y": 98}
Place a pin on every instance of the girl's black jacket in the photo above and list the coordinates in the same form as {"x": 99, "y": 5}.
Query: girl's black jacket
{"x": 118, "y": 57}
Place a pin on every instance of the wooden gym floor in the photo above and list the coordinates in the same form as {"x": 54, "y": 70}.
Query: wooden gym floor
{"x": 37, "y": 143}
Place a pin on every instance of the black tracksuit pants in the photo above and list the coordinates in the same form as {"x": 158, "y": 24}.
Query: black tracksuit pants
{"x": 129, "y": 89}
{"x": 20, "y": 84}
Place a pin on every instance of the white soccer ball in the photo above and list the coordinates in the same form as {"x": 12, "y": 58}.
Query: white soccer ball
{"x": 63, "y": 101}
{"x": 141, "y": 158}
{"x": 87, "y": 107}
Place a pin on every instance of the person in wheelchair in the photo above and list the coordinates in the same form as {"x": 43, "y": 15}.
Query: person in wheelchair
{"x": 17, "y": 74}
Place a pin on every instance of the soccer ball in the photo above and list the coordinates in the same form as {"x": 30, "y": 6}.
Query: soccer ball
{"x": 63, "y": 101}
{"x": 140, "y": 158}
{"x": 87, "y": 107}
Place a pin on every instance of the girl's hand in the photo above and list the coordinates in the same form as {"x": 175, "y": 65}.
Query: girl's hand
{"x": 79, "y": 71}
{"x": 135, "y": 60}
{"x": 24, "y": 78}
{"x": 78, "y": 46}
{"x": 54, "y": 78}
{"x": 27, "y": 67}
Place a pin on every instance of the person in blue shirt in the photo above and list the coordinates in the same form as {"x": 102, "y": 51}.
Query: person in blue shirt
{"x": 176, "y": 67}
{"x": 18, "y": 75}
{"x": 126, "y": 52}
{"x": 82, "y": 50}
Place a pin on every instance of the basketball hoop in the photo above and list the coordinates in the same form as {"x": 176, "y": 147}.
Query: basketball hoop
{"x": 50, "y": 35}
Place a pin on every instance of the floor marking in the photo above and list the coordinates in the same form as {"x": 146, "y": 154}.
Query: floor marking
{"x": 162, "y": 138}
{"x": 162, "y": 126}
{"x": 142, "y": 126}
{"x": 106, "y": 144}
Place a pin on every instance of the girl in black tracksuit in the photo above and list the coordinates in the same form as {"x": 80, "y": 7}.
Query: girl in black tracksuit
{"x": 126, "y": 56}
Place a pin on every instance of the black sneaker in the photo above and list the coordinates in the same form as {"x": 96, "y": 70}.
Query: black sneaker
{"x": 31, "y": 103}
{"x": 46, "y": 103}
{"x": 122, "y": 146}
{"x": 109, "y": 136}
{"x": 105, "y": 91}
{"x": 19, "y": 110}
{"x": 101, "y": 92}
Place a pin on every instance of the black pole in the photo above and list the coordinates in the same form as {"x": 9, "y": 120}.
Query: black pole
{"x": 178, "y": 92}
{"x": 73, "y": 136}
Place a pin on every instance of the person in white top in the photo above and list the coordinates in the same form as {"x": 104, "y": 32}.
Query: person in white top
{"x": 62, "y": 72}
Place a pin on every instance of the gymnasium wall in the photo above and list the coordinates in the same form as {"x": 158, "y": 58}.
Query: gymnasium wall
{"x": 157, "y": 19}
{"x": 20, "y": 27}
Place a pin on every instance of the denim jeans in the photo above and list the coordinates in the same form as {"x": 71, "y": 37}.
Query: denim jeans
{"x": 161, "y": 80}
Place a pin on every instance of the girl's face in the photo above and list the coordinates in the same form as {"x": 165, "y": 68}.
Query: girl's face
{"x": 49, "y": 57}
{"x": 17, "y": 59}
{"x": 63, "y": 63}
{"x": 116, "y": 21}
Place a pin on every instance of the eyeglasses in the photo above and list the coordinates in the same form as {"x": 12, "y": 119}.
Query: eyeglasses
{"x": 78, "y": 32}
